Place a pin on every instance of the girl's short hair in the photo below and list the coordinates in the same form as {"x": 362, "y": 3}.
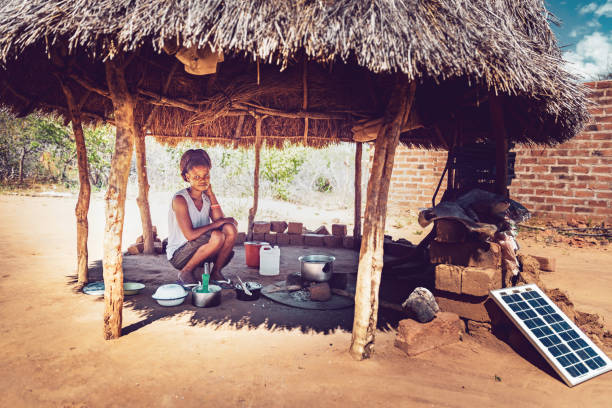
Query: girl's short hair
{"x": 193, "y": 158}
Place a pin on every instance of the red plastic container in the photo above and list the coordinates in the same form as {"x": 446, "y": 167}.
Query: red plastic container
{"x": 251, "y": 253}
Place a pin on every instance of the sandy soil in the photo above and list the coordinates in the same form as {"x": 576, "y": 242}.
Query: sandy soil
{"x": 52, "y": 352}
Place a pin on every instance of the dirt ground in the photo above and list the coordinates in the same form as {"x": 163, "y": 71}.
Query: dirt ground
{"x": 251, "y": 354}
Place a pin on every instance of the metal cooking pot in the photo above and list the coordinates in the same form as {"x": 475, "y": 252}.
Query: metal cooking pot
{"x": 317, "y": 268}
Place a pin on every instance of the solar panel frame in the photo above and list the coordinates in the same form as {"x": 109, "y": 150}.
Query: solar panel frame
{"x": 565, "y": 356}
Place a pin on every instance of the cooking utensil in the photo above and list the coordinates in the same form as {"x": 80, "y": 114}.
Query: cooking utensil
{"x": 132, "y": 288}
{"x": 170, "y": 295}
{"x": 317, "y": 268}
{"x": 246, "y": 289}
{"x": 206, "y": 299}
{"x": 253, "y": 287}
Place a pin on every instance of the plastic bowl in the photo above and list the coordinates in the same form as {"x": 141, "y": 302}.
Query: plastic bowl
{"x": 170, "y": 295}
{"x": 132, "y": 288}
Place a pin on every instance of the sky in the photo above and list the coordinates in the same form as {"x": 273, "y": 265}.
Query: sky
{"x": 585, "y": 35}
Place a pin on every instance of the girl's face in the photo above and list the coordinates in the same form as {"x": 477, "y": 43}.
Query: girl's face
{"x": 199, "y": 177}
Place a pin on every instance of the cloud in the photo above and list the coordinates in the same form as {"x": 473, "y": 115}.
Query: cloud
{"x": 592, "y": 57}
{"x": 605, "y": 9}
{"x": 589, "y": 8}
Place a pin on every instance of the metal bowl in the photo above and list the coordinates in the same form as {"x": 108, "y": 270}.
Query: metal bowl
{"x": 170, "y": 295}
{"x": 210, "y": 299}
{"x": 317, "y": 268}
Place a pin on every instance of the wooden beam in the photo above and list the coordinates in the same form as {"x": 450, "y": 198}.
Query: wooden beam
{"x": 305, "y": 99}
{"x": 357, "y": 219}
{"x": 112, "y": 262}
{"x": 371, "y": 253}
{"x": 82, "y": 207}
{"x": 143, "y": 193}
{"x": 258, "y": 143}
{"x": 498, "y": 129}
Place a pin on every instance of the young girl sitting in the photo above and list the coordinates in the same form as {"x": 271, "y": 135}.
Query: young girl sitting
{"x": 198, "y": 231}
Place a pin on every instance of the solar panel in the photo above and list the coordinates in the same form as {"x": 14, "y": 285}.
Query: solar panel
{"x": 566, "y": 348}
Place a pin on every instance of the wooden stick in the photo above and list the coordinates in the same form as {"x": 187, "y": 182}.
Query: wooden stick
{"x": 258, "y": 143}
{"x": 123, "y": 103}
{"x": 501, "y": 144}
{"x": 357, "y": 219}
{"x": 305, "y": 101}
{"x": 82, "y": 207}
{"x": 371, "y": 253}
{"x": 143, "y": 193}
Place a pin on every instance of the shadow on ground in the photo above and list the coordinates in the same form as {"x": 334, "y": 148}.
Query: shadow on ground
{"x": 155, "y": 270}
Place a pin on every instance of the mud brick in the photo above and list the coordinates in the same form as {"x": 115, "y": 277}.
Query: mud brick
{"x": 136, "y": 249}
{"x": 259, "y": 236}
{"x": 450, "y": 231}
{"x": 332, "y": 241}
{"x": 240, "y": 238}
{"x": 282, "y": 238}
{"x": 348, "y": 242}
{"x": 321, "y": 292}
{"x": 158, "y": 247}
{"x": 296, "y": 239}
{"x": 478, "y": 281}
{"x": 270, "y": 238}
{"x": 339, "y": 230}
{"x": 313, "y": 239}
{"x": 415, "y": 338}
{"x": 546, "y": 264}
{"x": 295, "y": 228}
{"x": 448, "y": 278}
{"x": 261, "y": 227}
{"x": 322, "y": 230}
{"x": 468, "y": 307}
{"x": 278, "y": 226}
{"x": 470, "y": 253}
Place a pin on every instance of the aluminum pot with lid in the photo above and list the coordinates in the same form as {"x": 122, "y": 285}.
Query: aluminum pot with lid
{"x": 317, "y": 268}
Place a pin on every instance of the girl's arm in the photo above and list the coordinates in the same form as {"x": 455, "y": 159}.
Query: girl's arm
{"x": 179, "y": 205}
{"x": 216, "y": 213}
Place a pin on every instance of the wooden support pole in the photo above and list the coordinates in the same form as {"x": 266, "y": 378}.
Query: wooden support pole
{"x": 501, "y": 144}
{"x": 371, "y": 253}
{"x": 143, "y": 193}
{"x": 258, "y": 143}
{"x": 82, "y": 207}
{"x": 305, "y": 99}
{"x": 357, "y": 220}
{"x": 112, "y": 262}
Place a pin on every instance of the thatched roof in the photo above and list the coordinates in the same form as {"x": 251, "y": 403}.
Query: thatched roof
{"x": 456, "y": 50}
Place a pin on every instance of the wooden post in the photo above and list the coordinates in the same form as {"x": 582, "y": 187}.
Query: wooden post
{"x": 258, "y": 143}
{"x": 112, "y": 262}
{"x": 501, "y": 144}
{"x": 305, "y": 99}
{"x": 143, "y": 192}
{"x": 371, "y": 253}
{"x": 357, "y": 220}
{"x": 82, "y": 207}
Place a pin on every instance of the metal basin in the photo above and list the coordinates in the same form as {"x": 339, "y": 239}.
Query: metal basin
{"x": 317, "y": 268}
{"x": 210, "y": 299}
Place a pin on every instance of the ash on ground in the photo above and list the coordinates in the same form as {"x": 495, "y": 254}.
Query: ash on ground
{"x": 301, "y": 295}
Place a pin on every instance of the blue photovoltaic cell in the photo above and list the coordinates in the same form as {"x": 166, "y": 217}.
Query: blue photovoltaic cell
{"x": 575, "y": 357}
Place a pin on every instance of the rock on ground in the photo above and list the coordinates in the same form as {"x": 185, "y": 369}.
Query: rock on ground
{"x": 422, "y": 305}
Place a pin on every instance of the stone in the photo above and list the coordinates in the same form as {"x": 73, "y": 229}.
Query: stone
{"x": 270, "y": 238}
{"x": 320, "y": 292}
{"x": 546, "y": 264}
{"x": 322, "y": 230}
{"x": 479, "y": 281}
{"x": 294, "y": 279}
{"x": 261, "y": 227}
{"x": 448, "y": 278}
{"x": 338, "y": 281}
{"x": 332, "y": 241}
{"x": 295, "y": 228}
{"x": 282, "y": 238}
{"x": 339, "y": 230}
{"x": 450, "y": 231}
{"x": 259, "y": 236}
{"x": 134, "y": 249}
{"x": 530, "y": 270}
{"x": 421, "y": 304}
{"x": 240, "y": 238}
{"x": 348, "y": 242}
{"x": 415, "y": 338}
{"x": 278, "y": 226}
{"x": 468, "y": 307}
{"x": 470, "y": 253}
{"x": 295, "y": 239}
{"x": 313, "y": 239}
{"x": 158, "y": 247}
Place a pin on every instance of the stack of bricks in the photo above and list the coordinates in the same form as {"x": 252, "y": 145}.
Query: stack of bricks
{"x": 467, "y": 269}
{"x": 294, "y": 233}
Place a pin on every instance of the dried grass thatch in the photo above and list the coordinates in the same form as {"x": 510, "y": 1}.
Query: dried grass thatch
{"x": 458, "y": 51}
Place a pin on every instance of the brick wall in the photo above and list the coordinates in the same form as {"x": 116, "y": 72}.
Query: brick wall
{"x": 573, "y": 179}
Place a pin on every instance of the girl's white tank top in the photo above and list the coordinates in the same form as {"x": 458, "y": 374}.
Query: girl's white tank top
{"x": 176, "y": 239}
